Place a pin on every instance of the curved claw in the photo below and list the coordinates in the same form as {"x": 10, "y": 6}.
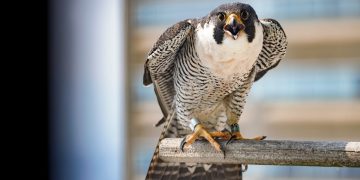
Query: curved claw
{"x": 222, "y": 148}
{"x": 224, "y": 131}
{"x": 259, "y": 138}
{"x": 230, "y": 140}
{"x": 182, "y": 144}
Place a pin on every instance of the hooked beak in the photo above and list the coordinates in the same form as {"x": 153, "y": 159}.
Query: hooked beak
{"x": 233, "y": 26}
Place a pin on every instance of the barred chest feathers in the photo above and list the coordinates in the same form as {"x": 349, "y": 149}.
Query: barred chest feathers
{"x": 231, "y": 57}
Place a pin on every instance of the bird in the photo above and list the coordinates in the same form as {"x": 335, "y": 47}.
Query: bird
{"x": 202, "y": 70}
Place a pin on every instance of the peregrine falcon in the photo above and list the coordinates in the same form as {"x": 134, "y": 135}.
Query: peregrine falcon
{"x": 202, "y": 70}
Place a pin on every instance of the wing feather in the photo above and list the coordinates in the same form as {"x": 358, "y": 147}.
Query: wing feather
{"x": 159, "y": 70}
{"x": 274, "y": 47}
{"x": 159, "y": 66}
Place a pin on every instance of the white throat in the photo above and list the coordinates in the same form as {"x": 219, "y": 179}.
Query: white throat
{"x": 231, "y": 57}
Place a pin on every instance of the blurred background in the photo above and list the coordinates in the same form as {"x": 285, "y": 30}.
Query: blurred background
{"x": 102, "y": 116}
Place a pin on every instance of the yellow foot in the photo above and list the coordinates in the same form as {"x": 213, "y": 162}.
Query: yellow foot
{"x": 236, "y": 135}
{"x": 221, "y": 134}
{"x": 201, "y": 132}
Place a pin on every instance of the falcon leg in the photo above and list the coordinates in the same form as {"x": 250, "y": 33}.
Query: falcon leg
{"x": 236, "y": 135}
{"x": 236, "y": 102}
{"x": 201, "y": 132}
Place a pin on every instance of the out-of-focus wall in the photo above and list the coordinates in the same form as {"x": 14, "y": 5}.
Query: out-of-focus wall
{"x": 314, "y": 94}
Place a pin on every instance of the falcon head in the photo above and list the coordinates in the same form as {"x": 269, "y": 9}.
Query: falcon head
{"x": 229, "y": 39}
{"x": 231, "y": 21}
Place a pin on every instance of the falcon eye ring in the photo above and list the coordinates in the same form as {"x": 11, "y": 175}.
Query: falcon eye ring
{"x": 221, "y": 16}
{"x": 244, "y": 15}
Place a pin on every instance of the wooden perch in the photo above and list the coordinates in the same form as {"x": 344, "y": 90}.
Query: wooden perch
{"x": 266, "y": 152}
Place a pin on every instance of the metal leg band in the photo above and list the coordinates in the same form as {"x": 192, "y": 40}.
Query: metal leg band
{"x": 235, "y": 128}
{"x": 193, "y": 123}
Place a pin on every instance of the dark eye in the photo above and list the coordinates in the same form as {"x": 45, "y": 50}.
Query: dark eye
{"x": 221, "y": 16}
{"x": 244, "y": 15}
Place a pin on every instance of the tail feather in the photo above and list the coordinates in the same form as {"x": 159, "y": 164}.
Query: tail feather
{"x": 232, "y": 171}
{"x": 168, "y": 171}
{"x": 213, "y": 171}
{"x": 157, "y": 166}
{"x": 220, "y": 171}
{"x": 178, "y": 171}
{"x": 208, "y": 176}
{"x": 184, "y": 172}
{"x": 198, "y": 173}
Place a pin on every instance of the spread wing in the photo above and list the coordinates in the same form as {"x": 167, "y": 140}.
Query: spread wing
{"x": 274, "y": 47}
{"x": 159, "y": 66}
{"x": 159, "y": 71}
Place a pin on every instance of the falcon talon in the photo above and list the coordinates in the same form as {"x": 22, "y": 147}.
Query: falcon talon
{"x": 222, "y": 150}
{"x": 182, "y": 144}
{"x": 230, "y": 140}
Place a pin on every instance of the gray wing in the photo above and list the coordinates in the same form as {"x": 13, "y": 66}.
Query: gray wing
{"x": 158, "y": 70}
{"x": 159, "y": 66}
{"x": 274, "y": 47}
